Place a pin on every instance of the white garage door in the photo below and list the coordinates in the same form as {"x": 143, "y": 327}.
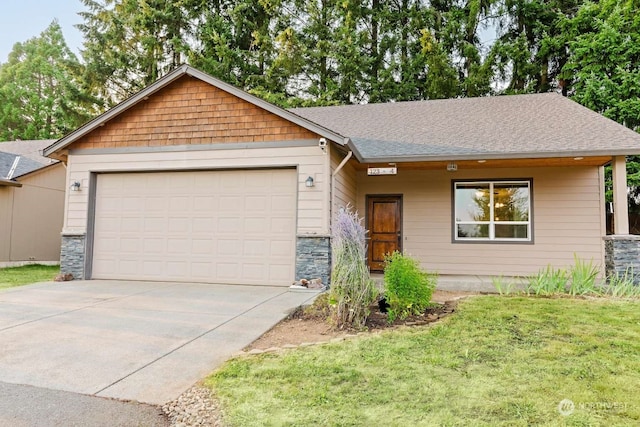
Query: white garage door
{"x": 206, "y": 226}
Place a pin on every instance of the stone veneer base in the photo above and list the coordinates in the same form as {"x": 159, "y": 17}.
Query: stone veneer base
{"x": 622, "y": 255}
{"x": 313, "y": 258}
{"x": 72, "y": 255}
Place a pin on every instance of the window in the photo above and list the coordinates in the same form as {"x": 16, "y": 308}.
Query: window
{"x": 492, "y": 211}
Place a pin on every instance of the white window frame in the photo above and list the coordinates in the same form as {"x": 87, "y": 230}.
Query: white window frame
{"x": 492, "y": 223}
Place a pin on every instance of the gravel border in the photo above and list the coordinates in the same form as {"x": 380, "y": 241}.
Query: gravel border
{"x": 194, "y": 408}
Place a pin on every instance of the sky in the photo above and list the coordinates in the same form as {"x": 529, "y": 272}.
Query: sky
{"x": 21, "y": 20}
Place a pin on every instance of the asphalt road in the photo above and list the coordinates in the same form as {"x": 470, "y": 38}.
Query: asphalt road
{"x": 27, "y": 406}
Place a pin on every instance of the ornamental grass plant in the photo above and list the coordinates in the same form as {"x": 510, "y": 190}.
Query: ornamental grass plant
{"x": 352, "y": 289}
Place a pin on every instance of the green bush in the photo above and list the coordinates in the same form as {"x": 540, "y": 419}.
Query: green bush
{"x": 408, "y": 288}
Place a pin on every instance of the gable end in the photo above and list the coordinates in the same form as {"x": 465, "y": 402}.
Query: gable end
{"x": 190, "y": 111}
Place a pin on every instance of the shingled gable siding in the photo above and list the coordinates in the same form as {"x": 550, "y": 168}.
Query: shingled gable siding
{"x": 567, "y": 219}
{"x": 191, "y": 112}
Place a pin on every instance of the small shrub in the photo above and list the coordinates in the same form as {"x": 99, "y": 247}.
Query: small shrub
{"x": 548, "y": 281}
{"x": 408, "y": 288}
{"x": 352, "y": 290}
{"x": 583, "y": 277}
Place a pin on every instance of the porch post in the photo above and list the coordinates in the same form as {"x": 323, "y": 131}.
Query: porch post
{"x": 621, "y": 250}
{"x": 620, "y": 204}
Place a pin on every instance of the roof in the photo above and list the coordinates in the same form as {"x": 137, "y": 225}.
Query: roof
{"x": 511, "y": 126}
{"x": 18, "y": 158}
{"x": 186, "y": 70}
{"x": 501, "y": 127}
{"x": 29, "y": 149}
{"x": 12, "y": 165}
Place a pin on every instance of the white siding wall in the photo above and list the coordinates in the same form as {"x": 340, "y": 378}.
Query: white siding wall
{"x": 310, "y": 161}
{"x": 567, "y": 213}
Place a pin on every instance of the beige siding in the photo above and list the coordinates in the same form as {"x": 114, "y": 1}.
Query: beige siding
{"x": 6, "y": 221}
{"x": 344, "y": 185}
{"x": 31, "y": 217}
{"x": 312, "y": 203}
{"x": 567, "y": 209}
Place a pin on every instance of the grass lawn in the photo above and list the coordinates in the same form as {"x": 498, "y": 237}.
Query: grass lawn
{"x": 499, "y": 361}
{"x": 18, "y": 276}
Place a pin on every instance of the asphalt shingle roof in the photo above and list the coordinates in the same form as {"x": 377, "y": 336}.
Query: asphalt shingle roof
{"x": 31, "y": 158}
{"x": 538, "y": 125}
{"x": 24, "y": 165}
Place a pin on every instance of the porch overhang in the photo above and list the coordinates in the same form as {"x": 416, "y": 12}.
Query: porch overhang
{"x": 488, "y": 163}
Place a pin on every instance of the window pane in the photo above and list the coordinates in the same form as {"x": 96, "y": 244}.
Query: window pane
{"x": 472, "y": 202}
{"x": 511, "y": 202}
{"x": 473, "y": 230}
{"x": 510, "y": 231}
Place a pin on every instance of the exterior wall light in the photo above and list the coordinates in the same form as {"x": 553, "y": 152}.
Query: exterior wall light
{"x": 75, "y": 186}
{"x": 452, "y": 167}
{"x": 309, "y": 182}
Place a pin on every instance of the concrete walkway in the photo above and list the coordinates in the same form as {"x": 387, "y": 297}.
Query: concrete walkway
{"x": 138, "y": 341}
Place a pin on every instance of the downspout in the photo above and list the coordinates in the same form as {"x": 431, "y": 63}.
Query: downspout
{"x": 333, "y": 182}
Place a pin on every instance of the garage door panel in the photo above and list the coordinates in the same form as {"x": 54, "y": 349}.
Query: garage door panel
{"x": 279, "y": 272}
{"x": 204, "y": 225}
{"x": 231, "y": 203}
{"x": 204, "y": 203}
{"x": 254, "y": 248}
{"x": 202, "y": 270}
{"x": 226, "y": 227}
{"x": 228, "y": 247}
{"x": 125, "y": 225}
{"x": 281, "y": 248}
{"x": 202, "y": 247}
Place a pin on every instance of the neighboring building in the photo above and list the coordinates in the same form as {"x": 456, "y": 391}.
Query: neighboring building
{"x": 32, "y": 191}
{"x": 195, "y": 180}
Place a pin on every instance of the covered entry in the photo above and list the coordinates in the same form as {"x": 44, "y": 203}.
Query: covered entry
{"x": 384, "y": 222}
{"x": 235, "y": 226}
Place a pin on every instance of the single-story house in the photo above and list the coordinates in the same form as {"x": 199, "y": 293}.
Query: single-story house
{"x": 32, "y": 189}
{"x": 192, "y": 179}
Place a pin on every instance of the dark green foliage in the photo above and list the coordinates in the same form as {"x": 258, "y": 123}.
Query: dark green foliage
{"x": 408, "y": 288}
{"x": 40, "y": 94}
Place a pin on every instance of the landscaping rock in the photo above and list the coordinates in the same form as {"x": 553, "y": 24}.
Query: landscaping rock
{"x": 194, "y": 408}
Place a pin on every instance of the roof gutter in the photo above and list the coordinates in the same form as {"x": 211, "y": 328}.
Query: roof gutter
{"x": 9, "y": 183}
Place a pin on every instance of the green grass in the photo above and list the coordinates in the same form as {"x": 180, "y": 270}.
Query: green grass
{"x": 18, "y": 276}
{"x": 499, "y": 361}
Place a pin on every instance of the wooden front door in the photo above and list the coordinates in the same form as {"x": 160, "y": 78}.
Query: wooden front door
{"x": 384, "y": 219}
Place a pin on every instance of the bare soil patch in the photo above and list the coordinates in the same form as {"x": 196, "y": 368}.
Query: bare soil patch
{"x": 310, "y": 325}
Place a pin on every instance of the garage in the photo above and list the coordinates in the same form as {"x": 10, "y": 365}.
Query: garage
{"x": 233, "y": 226}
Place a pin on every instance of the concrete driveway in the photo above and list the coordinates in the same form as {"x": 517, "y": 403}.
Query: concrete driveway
{"x": 130, "y": 340}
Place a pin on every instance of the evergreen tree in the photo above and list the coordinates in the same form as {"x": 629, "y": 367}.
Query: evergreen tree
{"x": 129, "y": 44}
{"x": 40, "y": 95}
